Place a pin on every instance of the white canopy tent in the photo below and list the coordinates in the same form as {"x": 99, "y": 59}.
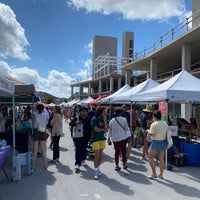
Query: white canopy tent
{"x": 7, "y": 89}
{"x": 184, "y": 87}
{"x": 72, "y": 102}
{"x": 109, "y": 99}
{"x": 85, "y": 102}
{"x": 126, "y": 97}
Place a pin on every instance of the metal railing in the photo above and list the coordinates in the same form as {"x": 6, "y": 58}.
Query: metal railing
{"x": 175, "y": 32}
{"x": 105, "y": 64}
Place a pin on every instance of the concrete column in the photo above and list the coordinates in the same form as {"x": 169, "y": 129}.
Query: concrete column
{"x": 111, "y": 84}
{"x": 89, "y": 88}
{"x": 72, "y": 90}
{"x": 100, "y": 86}
{"x": 119, "y": 83}
{"x": 186, "y": 57}
{"x": 195, "y": 13}
{"x": 128, "y": 77}
{"x": 80, "y": 90}
{"x": 186, "y": 65}
{"x": 153, "y": 68}
{"x": 107, "y": 86}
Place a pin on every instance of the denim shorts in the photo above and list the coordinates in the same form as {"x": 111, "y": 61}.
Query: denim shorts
{"x": 158, "y": 145}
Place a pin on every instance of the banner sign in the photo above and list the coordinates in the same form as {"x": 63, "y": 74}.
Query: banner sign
{"x": 162, "y": 106}
{"x": 6, "y": 85}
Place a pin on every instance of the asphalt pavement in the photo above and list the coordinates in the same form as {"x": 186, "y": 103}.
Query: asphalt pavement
{"x": 60, "y": 182}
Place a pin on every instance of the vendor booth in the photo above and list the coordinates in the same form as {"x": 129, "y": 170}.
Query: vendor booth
{"x": 182, "y": 88}
{"x": 13, "y": 91}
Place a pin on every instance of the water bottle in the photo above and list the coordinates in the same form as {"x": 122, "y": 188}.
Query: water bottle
{"x": 3, "y": 144}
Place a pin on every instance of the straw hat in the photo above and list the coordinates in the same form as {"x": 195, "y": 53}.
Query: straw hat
{"x": 148, "y": 108}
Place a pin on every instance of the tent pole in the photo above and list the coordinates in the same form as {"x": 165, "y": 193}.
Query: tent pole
{"x": 167, "y": 123}
{"x": 169, "y": 167}
{"x": 13, "y": 127}
{"x": 131, "y": 118}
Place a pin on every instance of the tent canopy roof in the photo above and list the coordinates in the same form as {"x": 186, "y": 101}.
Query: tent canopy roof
{"x": 126, "y": 97}
{"x": 184, "y": 87}
{"x": 23, "y": 92}
{"x": 109, "y": 98}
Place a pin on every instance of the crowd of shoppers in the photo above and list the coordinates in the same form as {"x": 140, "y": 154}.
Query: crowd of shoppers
{"x": 91, "y": 128}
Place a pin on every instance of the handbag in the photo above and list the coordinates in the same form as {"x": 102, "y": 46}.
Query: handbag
{"x": 169, "y": 139}
{"x": 127, "y": 131}
{"x": 78, "y": 131}
{"x": 41, "y": 129}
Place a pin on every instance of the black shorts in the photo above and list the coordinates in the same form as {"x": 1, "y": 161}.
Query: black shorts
{"x": 39, "y": 136}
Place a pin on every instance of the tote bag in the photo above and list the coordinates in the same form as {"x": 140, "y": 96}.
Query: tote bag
{"x": 169, "y": 139}
{"x": 78, "y": 131}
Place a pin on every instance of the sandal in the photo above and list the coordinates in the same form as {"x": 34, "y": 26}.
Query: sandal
{"x": 52, "y": 161}
{"x": 125, "y": 167}
{"x": 161, "y": 177}
{"x": 152, "y": 176}
{"x": 117, "y": 168}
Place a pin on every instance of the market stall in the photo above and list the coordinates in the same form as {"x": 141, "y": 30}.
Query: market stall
{"x": 182, "y": 88}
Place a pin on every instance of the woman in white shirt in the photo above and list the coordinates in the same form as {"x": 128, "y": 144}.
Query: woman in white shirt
{"x": 40, "y": 119}
{"x": 120, "y": 136}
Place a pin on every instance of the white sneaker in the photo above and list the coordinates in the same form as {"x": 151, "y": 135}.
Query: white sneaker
{"x": 83, "y": 163}
{"x": 77, "y": 168}
{"x": 144, "y": 158}
{"x": 96, "y": 175}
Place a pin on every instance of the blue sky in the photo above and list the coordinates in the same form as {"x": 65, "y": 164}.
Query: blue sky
{"x": 49, "y": 42}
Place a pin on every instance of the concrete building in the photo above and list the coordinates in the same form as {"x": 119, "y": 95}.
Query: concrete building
{"x": 104, "y": 56}
{"x": 107, "y": 76}
{"x": 161, "y": 61}
{"x": 167, "y": 59}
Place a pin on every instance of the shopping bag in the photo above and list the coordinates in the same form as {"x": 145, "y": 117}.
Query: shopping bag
{"x": 169, "y": 139}
{"x": 78, "y": 131}
{"x": 128, "y": 150}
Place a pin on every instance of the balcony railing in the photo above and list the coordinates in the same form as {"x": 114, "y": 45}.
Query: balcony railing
{"x": 174, "y": 33}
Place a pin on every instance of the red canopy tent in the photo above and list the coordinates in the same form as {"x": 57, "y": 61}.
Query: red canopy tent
{"x": 97, "y": 99}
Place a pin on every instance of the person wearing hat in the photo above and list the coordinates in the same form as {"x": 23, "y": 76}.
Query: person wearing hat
{"x": 81, "y": 142}
{"x": 145, "y": 121}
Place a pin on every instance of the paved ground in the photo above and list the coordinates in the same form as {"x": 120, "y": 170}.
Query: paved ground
{"x": 60, "y": 182}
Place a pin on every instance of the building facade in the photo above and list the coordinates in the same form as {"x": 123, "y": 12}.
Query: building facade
{"x": 107, "y": 76}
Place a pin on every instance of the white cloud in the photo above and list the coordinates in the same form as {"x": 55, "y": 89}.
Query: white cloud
{"x": 71, "y": 62}
{"x": 57, "y": 83}
{"x": 89, "y": 46}
{"x": 133, "y": 9}
{"x": 12, "y": 36}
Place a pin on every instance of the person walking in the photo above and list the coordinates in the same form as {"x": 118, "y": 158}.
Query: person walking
{"x": 145, "y": 121}
{"x": 57, "y": 130}
{"x": 82, "y": 141}
{"x": 158, "y": 131}
{"x": 40, "y": 120}
{"x": 99, "y": 129}
{"x": 118, "y": 129}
